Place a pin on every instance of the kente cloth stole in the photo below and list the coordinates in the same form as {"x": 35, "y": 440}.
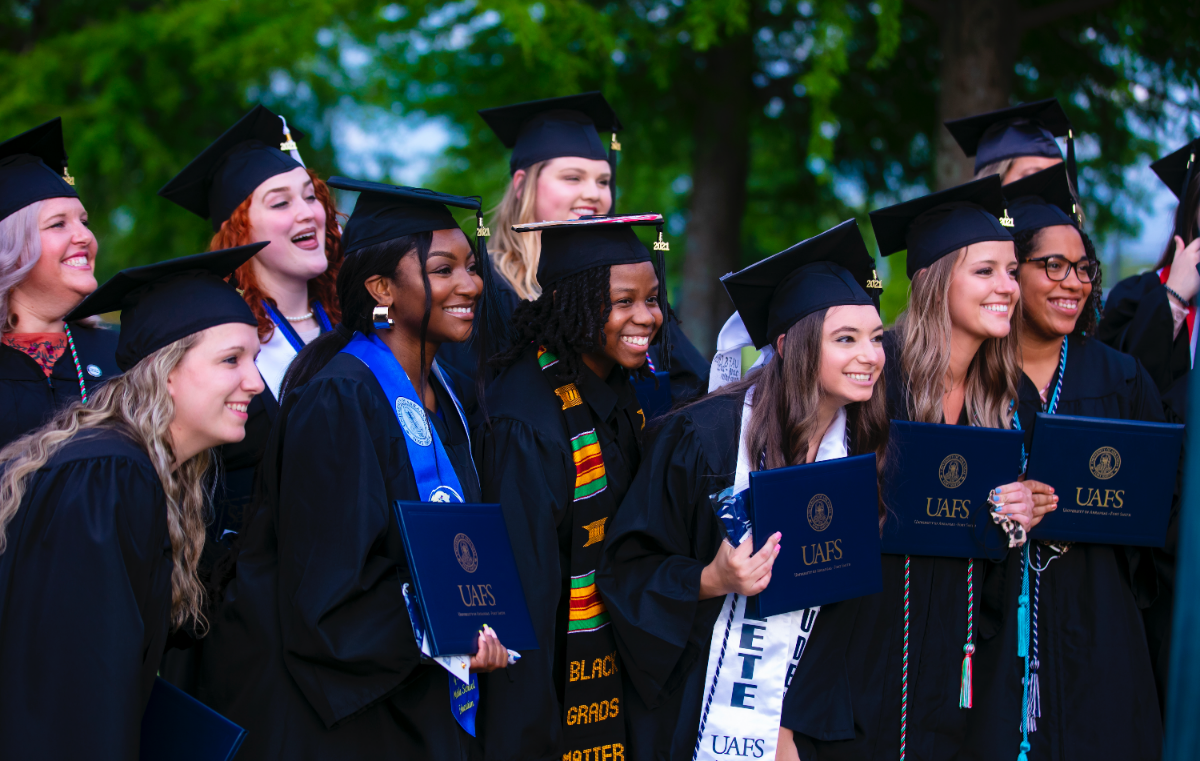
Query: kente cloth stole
{"x": 593, "y": 725}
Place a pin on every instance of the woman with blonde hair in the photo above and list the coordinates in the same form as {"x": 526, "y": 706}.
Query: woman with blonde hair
{"x": 102, "y": 511}
{"x": 252, "y": 186}
{"x": 952, "y": 359}
{"x": 560, "y": 171}
{"x": 47, "y": 257}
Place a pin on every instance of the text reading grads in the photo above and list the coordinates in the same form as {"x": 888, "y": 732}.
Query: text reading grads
{"x": 561, "y": 170}
{"x": 314, "y": 642}
{"x": 1091, "y": 691}
{"x": 102, "y": 511}
{"x": 675, "y": 587}
{"x": 562, "y": 447}
{"x": 47, "y": 258}
{"x": 1153, "y": 315}
{"x": 952, "y": 359}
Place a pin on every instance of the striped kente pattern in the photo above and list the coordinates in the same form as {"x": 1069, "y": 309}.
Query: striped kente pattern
{"x": 587, "y": 610}
{"x": 589, "y": 466}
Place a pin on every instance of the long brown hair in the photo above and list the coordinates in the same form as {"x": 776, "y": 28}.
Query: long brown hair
{"x": 139, "y": 405}
{"x": 516, "y": 254}
{"x": 787, "y": 397}
{"x": 924, "y": 329}
{"x": 236, "y": 231}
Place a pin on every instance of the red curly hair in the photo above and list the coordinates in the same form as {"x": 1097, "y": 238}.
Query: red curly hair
{"x": 235, "y": 231}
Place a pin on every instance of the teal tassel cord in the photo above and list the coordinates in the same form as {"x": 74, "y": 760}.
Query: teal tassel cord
{"x": 964, "y": 688}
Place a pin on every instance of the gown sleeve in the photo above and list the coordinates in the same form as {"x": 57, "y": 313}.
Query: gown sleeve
{"x": 660, "y": 540}
{"x": 1137, "y": 320}
{"x": 346, "y": 636}
{"x": 85, "y": 600}
{"x": 526, "y": 471}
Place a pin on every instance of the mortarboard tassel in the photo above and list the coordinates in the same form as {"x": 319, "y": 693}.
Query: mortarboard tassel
{"x": 964, "y": 690}
{"x": 660, "y": 267}
{"x": 67, "y": 178}
{"x": 289, "y": 145}
{"x": 1071, "y": 171}
{"x": 1180, "y": 212}
{"x": 613, "y": 149}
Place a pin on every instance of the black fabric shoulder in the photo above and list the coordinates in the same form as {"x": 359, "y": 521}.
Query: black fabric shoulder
{"x": 523, "y": 393}
{"x": 97, "y": 347}
{"x": 98, "y": 443}
{"x": 711, "y": 420}
{"x": 1102, "y": 369}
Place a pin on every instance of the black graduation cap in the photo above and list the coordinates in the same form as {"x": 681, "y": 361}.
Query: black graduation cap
{"x": 1176, "y": 171}
{"x": 1025, "y": 130}
{"x": 33, "y": 167}
{"x": 828, "y": 270}
{"x": 385, "y": 212}
{"x": 573, "y": 245}
{"x": 540, "y": 130}
{"x": 163, "y": 302}
{"x": 225, "y": 173}
{"x": 935, "y": 225}
{"x": 1042, "y": 199}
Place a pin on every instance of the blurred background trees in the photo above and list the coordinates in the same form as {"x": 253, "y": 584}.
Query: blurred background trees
{"x": 750, "y": 124}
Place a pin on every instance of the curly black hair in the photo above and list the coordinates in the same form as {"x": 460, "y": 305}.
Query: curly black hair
{"x": 1085, "y": 325}
{"x": 568, "y": 319}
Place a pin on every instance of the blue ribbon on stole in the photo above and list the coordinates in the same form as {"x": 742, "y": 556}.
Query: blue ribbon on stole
{"x": 288, "y": 331}
{"x": 436, "y": 479}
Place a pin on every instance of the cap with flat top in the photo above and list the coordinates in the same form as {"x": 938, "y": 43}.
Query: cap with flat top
{"x": 163, "y": 302}
{"x": 574, "y": 245}
{"x": 828, "y": 270}
{"x": 1042, "y": 199}
{"x": 385, "y": 212}
{"x": 227, "y": 172}
{"x": 33, "y": 167}
{"x": 940, "y": 223}
{"x": 1176, "y": 171}
{"x": 541, "y": 130}
{"x": 1025, "y": 130}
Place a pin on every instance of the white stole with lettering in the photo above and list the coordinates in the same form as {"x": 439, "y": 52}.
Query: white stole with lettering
{"x": 751, "y": 661}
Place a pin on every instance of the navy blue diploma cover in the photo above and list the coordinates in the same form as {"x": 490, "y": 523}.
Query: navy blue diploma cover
{"x": 465, "y": 575}
{"x": 936, "y": 488}
{"x": 655, "y": 402}
{"x": 178, "y": 727}
{"x": 828, "y": 513}
{"x": 1114, "y": 478}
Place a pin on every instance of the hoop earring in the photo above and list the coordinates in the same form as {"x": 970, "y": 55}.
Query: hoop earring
{"x": 381, "y": 318}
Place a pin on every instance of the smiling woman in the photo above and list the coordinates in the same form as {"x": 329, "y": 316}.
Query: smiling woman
{"x": 47, "y": 259}
{"x": 102, "y": 510}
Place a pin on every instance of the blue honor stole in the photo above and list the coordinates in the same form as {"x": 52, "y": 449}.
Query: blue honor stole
{"x": 436, "y": 479}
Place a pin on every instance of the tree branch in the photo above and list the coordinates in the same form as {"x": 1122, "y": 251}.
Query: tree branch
{"x": 1032, "y": 18}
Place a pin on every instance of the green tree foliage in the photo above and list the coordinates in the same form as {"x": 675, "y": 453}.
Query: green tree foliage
{"x": 844, "y": 95}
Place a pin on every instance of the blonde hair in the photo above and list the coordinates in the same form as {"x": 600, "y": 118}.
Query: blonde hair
{"x": 516, "y": 255}
{"x": 138, "y": 405}
{"x": 992, "y": 376}
{"x": 20, "y": 249}
{"x": 1000, "y": 167}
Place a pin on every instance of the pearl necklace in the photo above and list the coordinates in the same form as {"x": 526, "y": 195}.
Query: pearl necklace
{"x": 300, "y": 318}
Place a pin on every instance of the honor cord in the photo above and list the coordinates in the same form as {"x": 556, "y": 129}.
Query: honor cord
{"x": 904, "y": 672}
{"x": 78, "y": 367}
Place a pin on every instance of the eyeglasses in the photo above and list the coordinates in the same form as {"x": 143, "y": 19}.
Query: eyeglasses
{"x": 1058, "y": 268}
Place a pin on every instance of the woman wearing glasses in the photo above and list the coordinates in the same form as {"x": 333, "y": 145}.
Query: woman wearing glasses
{"x": 1092, "y": 691}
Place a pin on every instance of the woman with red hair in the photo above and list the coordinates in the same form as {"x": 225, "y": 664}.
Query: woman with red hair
{"x": 253, "y": 187}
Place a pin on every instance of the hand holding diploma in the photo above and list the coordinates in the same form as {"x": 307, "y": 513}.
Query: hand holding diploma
{"x": 491, "y": 655}
{"x": 739, "y": 569}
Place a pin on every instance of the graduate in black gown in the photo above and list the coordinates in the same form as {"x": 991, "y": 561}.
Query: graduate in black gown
{"x": 1153, "y": 315}
{"x": 670, "y": 572}
{"x": 252, "y": 185}
{"x": 951, "y": 358}
{"x": 47, "y": 256}
{"x": 1094, "y": 686}
{"x": 562, "y": 446}
{"x": 1016, "y": 142}
{"x": 102, "y": 521}
{"x": 561, "y": 170}
{"x": 312, "y": 648}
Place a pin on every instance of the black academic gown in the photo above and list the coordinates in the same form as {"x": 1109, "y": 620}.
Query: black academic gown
{"x": 311, "y": 648}
{"x": 844, "y": 699}
{"x": 1137, "y": 320}
{"x": 526, "y": 464}
{"x": 659, "y": 542}
{"x": 1096, "y": 682}
{"x": 85, "y": 603}
{"x": 28, "y": 399}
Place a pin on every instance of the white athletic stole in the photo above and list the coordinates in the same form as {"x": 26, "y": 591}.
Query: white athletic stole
{"x": 751, "y": 660}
